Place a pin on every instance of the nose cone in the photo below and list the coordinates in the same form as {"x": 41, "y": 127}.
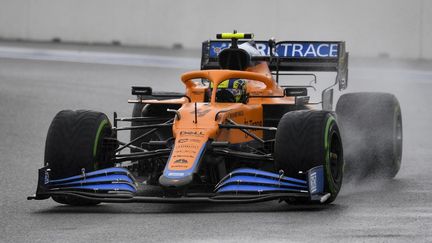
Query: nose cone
{"x": 185, "y": 158}
{"x": 175, "y": 180}
{"x": 196, "y": 126}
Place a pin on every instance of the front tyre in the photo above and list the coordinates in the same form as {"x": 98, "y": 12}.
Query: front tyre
{"x": 75, "y": 144}
{"x": 305, "y": 139}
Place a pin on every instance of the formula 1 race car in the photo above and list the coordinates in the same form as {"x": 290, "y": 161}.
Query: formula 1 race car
{"x": 235, "y": 136}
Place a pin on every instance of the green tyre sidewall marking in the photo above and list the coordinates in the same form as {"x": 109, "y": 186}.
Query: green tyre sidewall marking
{"x": 329, "y": 176}
{"x": 97, "y": 137}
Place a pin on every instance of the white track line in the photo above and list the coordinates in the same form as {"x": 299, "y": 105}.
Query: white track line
{"x": 99, "y": 57}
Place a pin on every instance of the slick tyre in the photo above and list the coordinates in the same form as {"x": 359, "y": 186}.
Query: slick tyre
{"x": 75, "y": 144}
{"x": 371, "y": 128}
{"x": 305, "y": 139}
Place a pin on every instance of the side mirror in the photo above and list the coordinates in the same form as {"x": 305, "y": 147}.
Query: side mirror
{"x": 295, "y": 92}
{"x": 300, "y": 95}
{"x": 138, "y": 90}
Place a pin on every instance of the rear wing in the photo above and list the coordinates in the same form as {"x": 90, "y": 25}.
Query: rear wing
{"x": 289, "y": 56}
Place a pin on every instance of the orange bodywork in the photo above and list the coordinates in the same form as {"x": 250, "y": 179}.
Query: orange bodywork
{"x": 198, "y": 122}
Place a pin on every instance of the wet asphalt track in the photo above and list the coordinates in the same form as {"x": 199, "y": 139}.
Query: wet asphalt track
{"x": 32, "y": 92}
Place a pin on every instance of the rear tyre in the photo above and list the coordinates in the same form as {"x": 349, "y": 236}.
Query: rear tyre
{"x": 75, "y": 143}
{"x": 371, "y": 127}
{"x": 305, "y": 139}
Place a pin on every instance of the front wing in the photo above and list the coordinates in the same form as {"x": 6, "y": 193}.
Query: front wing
{"x": 117, "y": 185}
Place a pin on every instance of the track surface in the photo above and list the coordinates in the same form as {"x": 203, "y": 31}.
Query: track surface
{"x": 33, "y": 91}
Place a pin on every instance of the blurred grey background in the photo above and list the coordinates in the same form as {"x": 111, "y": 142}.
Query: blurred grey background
{"x": 389, "y": 40}
{"x": 385, "y": 28}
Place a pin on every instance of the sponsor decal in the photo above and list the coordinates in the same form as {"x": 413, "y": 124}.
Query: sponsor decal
{"x": 187, "y": 149}
{"x": 307, "y": 50}
{"x": 201, "y": 113}
{"x": 46, "y": 177}
{"x": 236, "y": 114}
{"x": 216, "y": 49}
{"x": 180, "y": 161}
{"x": 252, "y": 123}
{"x": 187, "y": 146}
{"x": 313, "y": 182}
{"x": 217, "y": 46}
{"x": 186, "y": 140}
{"x": 288, "y": 49}
{"x": 192, "y": 133}
{"x": 182, "y": 155}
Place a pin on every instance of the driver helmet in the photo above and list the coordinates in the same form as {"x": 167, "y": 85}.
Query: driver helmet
{"x": 230, "y": 91}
